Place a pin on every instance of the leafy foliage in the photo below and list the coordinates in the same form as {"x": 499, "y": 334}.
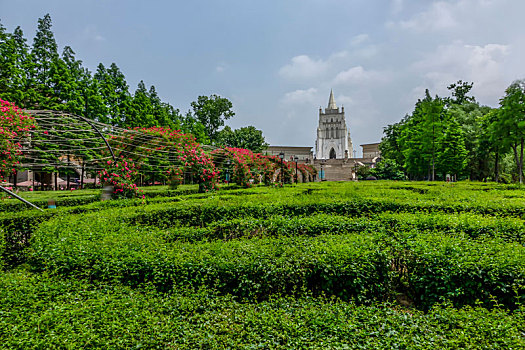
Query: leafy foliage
{"x": 246, "y": 137}
{"x": 121, "y": 176}
{"x": 14, "y": 127}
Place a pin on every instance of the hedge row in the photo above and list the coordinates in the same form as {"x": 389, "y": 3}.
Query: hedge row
{"x": 472, "y": 225}
{"x": 42, "y": 312}
{"x": 69, "y": 201}
{"x": 224, "y": 222}
{"x": 73, "y": 200}
{"x": 349, "y": 266}
{"x": 200, "y": 209}
{"x": 200, "y": 213}
{"x": 424, "y": 268}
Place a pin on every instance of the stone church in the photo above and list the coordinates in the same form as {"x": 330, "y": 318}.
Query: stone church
{"x": 334, "y": 154}
{"x": 333, "y": 138}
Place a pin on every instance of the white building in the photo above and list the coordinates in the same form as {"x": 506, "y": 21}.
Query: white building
{"x": 333, "y": 138}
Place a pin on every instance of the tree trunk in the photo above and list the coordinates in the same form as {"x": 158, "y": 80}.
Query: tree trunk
{"x": 68, "y": 176}
{"x": 496, "y": 167}
{"x": 516, "y": 159}
{"x": 521, "y": 161}
{"x": 82, "y": 176}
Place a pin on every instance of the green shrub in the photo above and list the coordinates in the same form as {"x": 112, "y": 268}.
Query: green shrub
{"x": 43, "y": 312}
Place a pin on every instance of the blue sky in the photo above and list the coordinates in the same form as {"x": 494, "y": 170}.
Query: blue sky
{"x": 277, "y": 60}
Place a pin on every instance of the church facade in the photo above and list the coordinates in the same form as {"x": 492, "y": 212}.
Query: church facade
{"x": 333, "y": 138}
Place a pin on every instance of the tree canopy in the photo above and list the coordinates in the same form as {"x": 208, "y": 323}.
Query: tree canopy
{"x": 455, "y": 135}
{"x": 37, "y": 77}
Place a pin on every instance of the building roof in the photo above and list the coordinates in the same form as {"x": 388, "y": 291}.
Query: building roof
{"x": 331, "y": 101}
{"x": 290, "y": 147}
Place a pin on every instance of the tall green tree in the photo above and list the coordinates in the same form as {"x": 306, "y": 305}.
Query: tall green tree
{"x": 421, "y": 136}
{"x": 510, "y": 124}
{"x": 190, "y": 125}
{"x": 115, "y": 93}
{"x": 69, "y": 79}
{"x": 246, "y": 137}
{"x": 211, "y": 112}
{"x": 141, "y": 110}
{"x": 15, "y": 68}
{"x": 44, "y": 54}
{"x": 390, "y": 146}
{"x": 452, "y": 156}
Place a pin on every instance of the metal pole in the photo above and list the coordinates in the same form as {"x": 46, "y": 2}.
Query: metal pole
{"x": 99, "y": 133}
{"x": 19, "y": 198}
{"x": 282, "y": 172}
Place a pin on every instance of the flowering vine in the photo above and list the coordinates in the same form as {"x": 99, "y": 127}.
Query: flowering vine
{"x": 172, "y": 152}
{"x": 121, "y": 175}
{"x": 14, "y": 127}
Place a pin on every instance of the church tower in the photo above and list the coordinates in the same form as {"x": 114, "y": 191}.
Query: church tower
{"x": 333, "y": 138}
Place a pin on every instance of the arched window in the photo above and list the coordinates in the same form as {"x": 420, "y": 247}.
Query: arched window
{"x": 332, "y": 154}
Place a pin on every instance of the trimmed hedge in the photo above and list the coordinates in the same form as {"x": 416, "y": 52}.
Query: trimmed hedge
{"x": 350, "y": 266}
{"x": 472, "y": 225}
{"x": 42, "y": 312}
{"x": 425, "y": 268}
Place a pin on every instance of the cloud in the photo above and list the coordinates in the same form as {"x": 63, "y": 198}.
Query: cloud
{"x": 303, "y": 67}
{"x": 444, "y": 15}
{"x": 358, "y": 75}
{"x": 439, "y": 16}
{"x": 301, "y": 96}
{"x": 484, "y": 65}
{"x": 359, "y": 39}
{"x": 220, "y": 68}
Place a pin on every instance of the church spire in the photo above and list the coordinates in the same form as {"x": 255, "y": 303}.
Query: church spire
{"x": 331, "y": 102}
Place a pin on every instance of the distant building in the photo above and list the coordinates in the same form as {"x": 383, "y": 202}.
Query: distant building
{"x": 333, "y": 148}
{"x": 304, "y": 154}
{"x": 371, "y": 150}
{"x": 333, "y": 138}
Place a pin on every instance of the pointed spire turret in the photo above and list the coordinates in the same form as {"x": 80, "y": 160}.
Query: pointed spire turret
{"x": 331, "y": 101}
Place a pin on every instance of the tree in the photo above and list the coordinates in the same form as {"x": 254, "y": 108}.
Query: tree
{"x": 387, "y": 169}
{"x": 15, "y": 68}
{"x": 390, "y": 144}
{"x": 246, "y": 137}
{"x": 141, "y": 110}
{"x": 190, "y": 125}
{"x": 44, "y": 56}
{"x": 510, "y": 124}
{"x": 115, "y": 93}
{"x": 211, "y": 112}
{"x": 420, "y": 137}
{"x": 452, "y": 156}
{"x": 69, "y": 80}
{"x": 460, "y": 89}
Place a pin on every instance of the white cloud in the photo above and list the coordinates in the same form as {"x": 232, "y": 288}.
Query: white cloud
{"x": 301, "y": 96}
{"x": 483, "y": 65}
{"x": 359, "y": 39}
{"x": 446, "y": 15}
{"x": 220, "y": 68}
{"x": 303, "y": 67}
{"x": 358, "y": 75}
{"x": 439, "y": 16}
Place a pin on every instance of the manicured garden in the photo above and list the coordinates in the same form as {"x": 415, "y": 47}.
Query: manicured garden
{"x": 313, "y": 265}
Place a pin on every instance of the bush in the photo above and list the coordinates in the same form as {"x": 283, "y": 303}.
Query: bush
{"x": 62, "y": 313}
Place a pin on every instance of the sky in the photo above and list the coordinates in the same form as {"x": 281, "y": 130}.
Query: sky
{"x": 277, "y": 60}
